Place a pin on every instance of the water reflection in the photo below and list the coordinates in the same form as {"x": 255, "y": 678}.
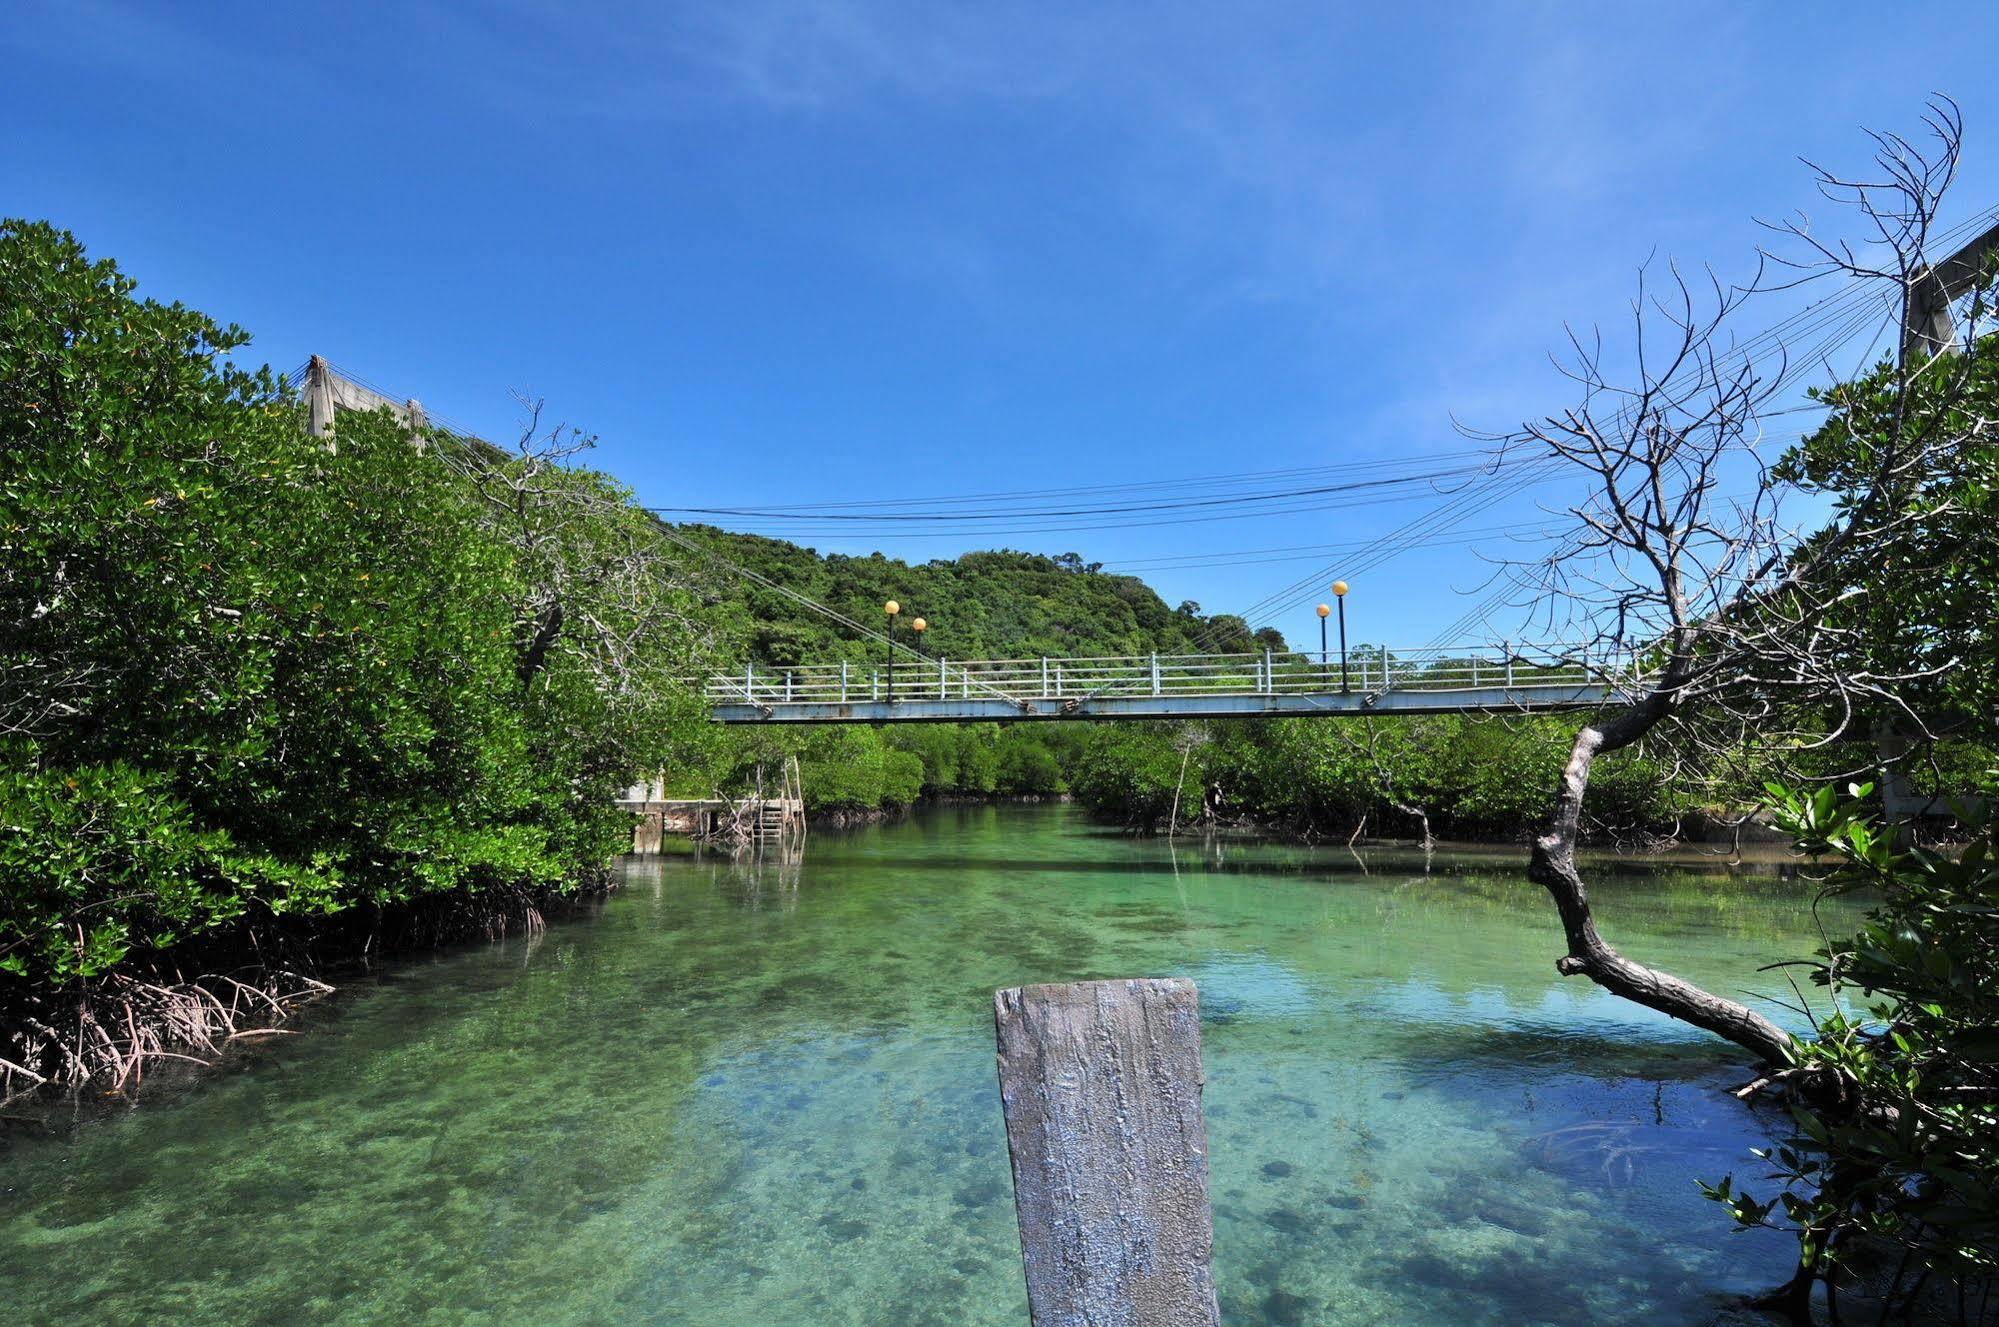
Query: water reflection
{"x": 761, "y": 1090}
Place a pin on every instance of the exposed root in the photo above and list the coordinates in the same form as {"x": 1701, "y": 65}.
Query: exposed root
{"x": 103, "y": 1037}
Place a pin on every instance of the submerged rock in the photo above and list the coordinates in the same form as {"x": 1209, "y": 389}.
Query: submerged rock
{"x": 1284, "y": 1309}
{"x": 1286, "y": 1221}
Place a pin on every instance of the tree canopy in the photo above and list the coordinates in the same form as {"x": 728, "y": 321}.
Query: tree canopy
{"x": 246, "y": 676}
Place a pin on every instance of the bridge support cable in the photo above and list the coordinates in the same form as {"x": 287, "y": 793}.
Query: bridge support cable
{"x": 1835, "y": 323}
{"x": 1829, "y": 324}
{"x": 1480, "y": 494}
{"x": 1466, "y": 502}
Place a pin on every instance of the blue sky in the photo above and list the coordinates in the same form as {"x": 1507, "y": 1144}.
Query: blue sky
{"x": 818, "y": 250}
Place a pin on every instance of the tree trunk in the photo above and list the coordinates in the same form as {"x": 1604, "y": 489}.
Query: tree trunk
{"x": 535, "y": 654}
{"x": 1554, "y": 868}
{"x": 1173, "y": 824}
{"x": 1421, "y": 816}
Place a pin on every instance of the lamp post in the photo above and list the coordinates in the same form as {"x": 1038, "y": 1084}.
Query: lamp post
{"x": 1324, "y": 654}
{"x": 891, "y": 608}
{"x": 1340, "y": 598}
{"x": 919, "y": 626}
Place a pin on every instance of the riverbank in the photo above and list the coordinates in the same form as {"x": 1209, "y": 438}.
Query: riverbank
{"x": 286, "y": 685}
{"x": 1447, "y": 776}
{"x": 191, "y": 1010}
{"x": 856, "y": 817}
{"x": 1748, "y": 829}
{"x": 188, "y": 1008}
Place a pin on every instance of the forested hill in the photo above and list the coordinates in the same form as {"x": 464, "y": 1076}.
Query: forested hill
{"x": 987, "y": 605}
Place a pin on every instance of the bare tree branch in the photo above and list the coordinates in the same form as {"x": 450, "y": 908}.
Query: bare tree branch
{"x": 1678, "y": 551}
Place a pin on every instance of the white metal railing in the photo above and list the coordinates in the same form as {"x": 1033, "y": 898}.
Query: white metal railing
{"x": 1369, "y": 670}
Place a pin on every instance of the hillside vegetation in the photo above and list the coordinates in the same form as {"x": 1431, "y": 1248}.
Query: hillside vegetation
{"x": 1472, "y": 778}
{"x": 982, "y": 605}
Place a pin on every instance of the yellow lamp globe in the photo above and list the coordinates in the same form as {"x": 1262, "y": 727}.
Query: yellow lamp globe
{"x": 1339, "y": 587}
{"x": 918, "y": 626}
{"x": 891, "y": 608}
{"x": 1323, "y": 610}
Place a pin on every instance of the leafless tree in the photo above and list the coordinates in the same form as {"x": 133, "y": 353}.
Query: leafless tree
{"x": 1369, "y": 746}
{"x": 1188, "y": 740}
{"x": 1679, "y": 559}
{"x": 597, "y": 581}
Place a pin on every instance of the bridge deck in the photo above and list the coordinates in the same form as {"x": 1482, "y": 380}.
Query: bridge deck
{"x": 1266, "y": 685}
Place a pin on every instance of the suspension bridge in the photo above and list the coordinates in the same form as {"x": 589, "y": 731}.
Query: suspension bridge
{"x": 910, "y": 687}
{"x": 1270, "y": 684}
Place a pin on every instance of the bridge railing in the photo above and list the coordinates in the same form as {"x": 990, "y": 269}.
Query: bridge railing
{"x": 1369, "y": 670}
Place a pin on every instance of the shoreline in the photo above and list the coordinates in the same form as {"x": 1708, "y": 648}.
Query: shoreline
{"x": 100, "y": 1041}
{"x": 260, "y": 1004}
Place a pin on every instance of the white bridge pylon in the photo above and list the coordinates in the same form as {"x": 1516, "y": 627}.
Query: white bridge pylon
{"x": 1273, "y": 684}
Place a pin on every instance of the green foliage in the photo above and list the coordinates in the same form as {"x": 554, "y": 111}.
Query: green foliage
{"x": 980, "y": 759}
{"x": 90, "y": 859}
{"x": 248, "y": 676}
{"x": 1896, "y": 1097}
{"x": 850, "y": 768}
{"x": 853, "y": 768}
{"x": 1131, "y": 771}
{"x": 1919, "y": 592}
{"x": 1473, "y": 777}
{"x": 1027, "y": 761}
{"x": 986, "y": 605}
{"x": 941, "y": 750}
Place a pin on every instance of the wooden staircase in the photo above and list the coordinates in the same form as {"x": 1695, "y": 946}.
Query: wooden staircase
{"x": 778, "y": 819}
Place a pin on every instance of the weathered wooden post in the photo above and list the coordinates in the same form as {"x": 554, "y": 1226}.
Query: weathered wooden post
{"x": 1101, "y": 1085}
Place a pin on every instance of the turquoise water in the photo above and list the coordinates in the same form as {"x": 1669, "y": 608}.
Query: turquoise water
{"x": 766, "y": 1096}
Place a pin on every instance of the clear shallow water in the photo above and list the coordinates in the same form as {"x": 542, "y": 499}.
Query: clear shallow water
{"x": 743, "y": 1096}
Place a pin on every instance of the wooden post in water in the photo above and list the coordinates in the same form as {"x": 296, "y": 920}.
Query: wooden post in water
{"x": 1101, "y": 1085}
